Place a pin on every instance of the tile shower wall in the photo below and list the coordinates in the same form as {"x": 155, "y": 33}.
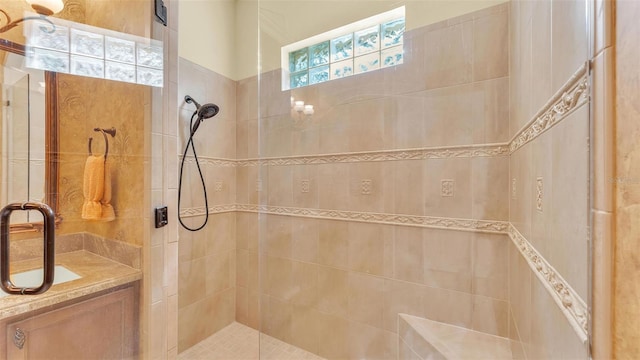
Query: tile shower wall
{"x": 334, "y": 286}
{"x": 207, "y": 258}
{"x": 549, "y": 176}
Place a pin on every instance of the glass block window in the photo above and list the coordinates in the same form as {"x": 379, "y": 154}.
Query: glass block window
{"x": 84, "y": 50}
{"x": 366, "y": 45}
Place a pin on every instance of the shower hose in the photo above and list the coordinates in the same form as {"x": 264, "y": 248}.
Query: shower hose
{"x": 204, "y": 188}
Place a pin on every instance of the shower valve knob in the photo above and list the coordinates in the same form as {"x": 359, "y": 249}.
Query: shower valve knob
{"x": 162, "y": 216}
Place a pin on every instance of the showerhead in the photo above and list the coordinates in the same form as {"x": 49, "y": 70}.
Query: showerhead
{"x": 205, "y": 111}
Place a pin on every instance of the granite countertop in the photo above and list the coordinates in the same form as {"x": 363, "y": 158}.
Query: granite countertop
{"x": 97, "y": 273}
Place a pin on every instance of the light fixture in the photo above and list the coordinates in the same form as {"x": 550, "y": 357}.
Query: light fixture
{"x": 308, "y": 110}
{"x": 44, "y": 8}
{"x": 299, "y": 106}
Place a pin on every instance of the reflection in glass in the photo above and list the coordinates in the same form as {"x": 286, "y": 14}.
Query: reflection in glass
{"x": 86, "y": 66}
{"x": 120, "y": 50}
{"x": 150, "y": 56}
{"x": 47, "y": 60}
{"x": 86, "y": 43}
{"x": 120, "y": 72}
{"x": 148, "y": 76}
{"x": 23, "y": 135}
{"x": 56, "y": 40}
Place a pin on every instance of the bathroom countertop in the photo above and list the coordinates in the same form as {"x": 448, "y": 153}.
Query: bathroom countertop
{"x": 97, "y": 274}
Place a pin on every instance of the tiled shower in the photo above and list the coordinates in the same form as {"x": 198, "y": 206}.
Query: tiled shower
{"x": 425, "y": 189}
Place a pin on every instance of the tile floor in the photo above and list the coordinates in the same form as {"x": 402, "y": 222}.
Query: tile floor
{"x": 239, "y": 342}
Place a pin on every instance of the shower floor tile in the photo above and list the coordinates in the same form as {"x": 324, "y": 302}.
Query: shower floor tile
{"x": 240, "y": 342}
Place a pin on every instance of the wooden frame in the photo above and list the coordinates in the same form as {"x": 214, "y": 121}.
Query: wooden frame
{"x": 52, "y": 144}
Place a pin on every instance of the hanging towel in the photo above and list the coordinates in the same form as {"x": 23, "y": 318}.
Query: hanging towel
{"x": 93, "y": 187}
{"x": 108, "y": 213}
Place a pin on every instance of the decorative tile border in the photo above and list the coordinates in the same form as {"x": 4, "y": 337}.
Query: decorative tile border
{"x": 386, "y": 155}
{"x": 573, "y": 94}
{"x": 487, "y": 226}
{"x": 570, "y": 303}
{"x": 204, "y": 160}
{"x": 216, "y": 209}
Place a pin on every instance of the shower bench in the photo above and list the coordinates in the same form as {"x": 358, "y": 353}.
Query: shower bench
{"x": 420, "y": 338}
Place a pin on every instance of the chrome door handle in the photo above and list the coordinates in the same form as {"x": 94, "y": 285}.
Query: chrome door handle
{"x": 48, "y": 253}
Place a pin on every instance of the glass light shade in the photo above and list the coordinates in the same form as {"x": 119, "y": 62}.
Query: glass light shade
{"x": 55, "y": 6}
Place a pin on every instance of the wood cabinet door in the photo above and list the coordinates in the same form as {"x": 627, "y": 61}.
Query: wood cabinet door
{"x": 100, "y": 328}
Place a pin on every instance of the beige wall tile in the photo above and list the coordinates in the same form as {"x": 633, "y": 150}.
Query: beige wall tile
{"x": 334, "y": 337}
{"x": 408, "y": 120}
{"x": 541, "y": 170}
{"x": 276, "y": 316}
{"x": 569, "y": 204}
{"x": 367, "y": 186}
{"x": 305, "y": 328}
{"x": 541, "y": 89}
{"x": 280, "y": 185}
{"x": 491, "y": 111}
{"x": 448, "y": 62}
{"x": 333, "y": 184}
{"x": 333, "y": 243}
{"x": 367, "y": 247}
{"x": 451, "y": 307}
{"x": 367, "y": 342}
{"x": 448, "y": 259}
{"x": 490, "y": 316}
{"x": 305, "y": 186}
{"x": 333, "y": 291}
{"x": 569, "y": 31}
{"x": 220, "y": 233}
{"x": 490, "y": 176}
{"x": 520, "y": 278}
{"x": 408, "y": 180}
{"x": 277, "y": 236}
{"x": 401, "y": 297}
{"x": 305, "y": 234}
{"x": 460, "y": 204}
{"x": 490, "y": 46}
{"x": 304, "y": 284}
{"x": 277, "y": 277}
{"x": 242, "y": 305}
{"x": 521, "y": 190}
{"x": 219, "y": 272}
{"x": 191, "y": 281}
{"x": 365, "y": 126}
{"x": 551, "y": 334}
{"x": 449, "y": 116}
{"x": 366, "y": 299}
{"x": 408, "y": 258}
{"x": 491, "y": 265}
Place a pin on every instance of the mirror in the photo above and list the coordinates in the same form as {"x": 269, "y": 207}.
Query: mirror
{"x": 29, "y": 142}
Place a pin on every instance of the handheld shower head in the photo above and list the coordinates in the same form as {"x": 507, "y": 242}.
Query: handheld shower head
{"x": 205, "y": 111}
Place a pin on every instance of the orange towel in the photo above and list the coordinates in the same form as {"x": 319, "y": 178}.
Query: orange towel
{"x": 93, "y": 187}
{"x": 108, "y": 213}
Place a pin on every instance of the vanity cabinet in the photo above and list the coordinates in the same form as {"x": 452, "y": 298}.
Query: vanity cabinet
{"x": 103, "y": 327}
